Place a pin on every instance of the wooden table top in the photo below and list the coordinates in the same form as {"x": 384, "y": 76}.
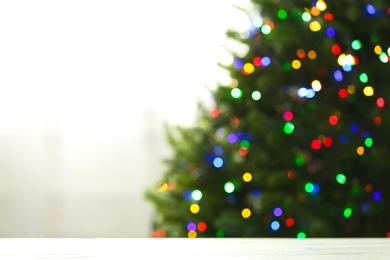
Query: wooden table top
{"x": 203, "y": 249}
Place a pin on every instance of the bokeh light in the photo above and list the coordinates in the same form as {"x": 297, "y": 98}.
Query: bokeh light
{"x": 229, "y": 187}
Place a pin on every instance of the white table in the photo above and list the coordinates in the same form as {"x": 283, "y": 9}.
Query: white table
{"x": 184, "y": 249}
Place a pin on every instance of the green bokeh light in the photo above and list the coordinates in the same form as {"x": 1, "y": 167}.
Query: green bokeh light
{"x": 266, "y": 29}
{"x": 220, "y": 233}
{"x": 256, "y": 95}
{"x": 363, "y": 78}
{"x": 384, "y": 58}
{"x": 301, "y": 235}
{"x": 299, "y": 161}
{"x": 229, "y": 187}
{"x": 356, "y": 45}
{"x": 347, "y": 212}
{"x": 236, "y": 93}
{"x": 368, "y": 142}
{"x": 287, "y": 66}
{"x": 282, "y": 14}
{"x": 306, "y": 17}
{"x": 309, "y": 187}
{"x": 341, "y": 178}
{"x": 196, "y": 195}
{"x": 244, "y": 144}
{"x": 288, "y": 127}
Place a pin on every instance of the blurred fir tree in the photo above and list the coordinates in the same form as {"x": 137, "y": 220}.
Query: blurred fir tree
{"x": 298, "y": 144}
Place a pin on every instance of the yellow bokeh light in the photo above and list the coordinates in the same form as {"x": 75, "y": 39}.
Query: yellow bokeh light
{"x": 321, "y": 5}
{"x": 312, "y": 55}
{"x": 246, "y": 213}
{"x": 315, "y": 26}
{"x": 247, "y": 177}
{"x": 351, "y": 89}
{"x": 360, "y": 150}
{"x": 316, "y": 85}
{"x": 162, "y": 187}
{"x": 378, "y": 49}
{"x": 249, "y": 68}
{"x": 368, "y": 91}
{"x": 342, "y": 59}
{"x": 192, "y": 234}
{"x": 296, "y": 64}
{"x": 194, "y": 208}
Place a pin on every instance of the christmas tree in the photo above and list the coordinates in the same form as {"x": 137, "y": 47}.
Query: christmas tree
{"x": 297, "y": 145}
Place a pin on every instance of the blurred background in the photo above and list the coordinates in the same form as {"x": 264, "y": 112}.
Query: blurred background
{"x": 85, "y": 88}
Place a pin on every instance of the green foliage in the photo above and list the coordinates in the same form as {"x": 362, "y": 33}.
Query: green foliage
{"x": 304, "y": 61}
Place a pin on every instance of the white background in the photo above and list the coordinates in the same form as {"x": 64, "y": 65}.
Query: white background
{"x": 85, "y": 87}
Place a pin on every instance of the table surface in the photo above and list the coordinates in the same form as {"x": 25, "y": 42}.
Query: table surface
{"x": 204, "y": 248}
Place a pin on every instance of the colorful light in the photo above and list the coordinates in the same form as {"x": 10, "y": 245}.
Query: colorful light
{"x": 289, "y": 222}
{"x": 275, "y": 225}
{"x": 246, "y": 213}
{"x": 278, "y": 212}
{"x": 333, "y": 120}
{"x": 236, "y": 93}
{"x": 341, "y": 178}
{"x": 315, "y": 26}
{"x": 266, "y": 61}
{"x": 380, "y": 102}
{"x": 266, "y": 29}
{"x": 218, "y": 150}
{"x": 336, "y": 50}
{"x": 343, "y": 93}
{"x": 282, "y": 14}
{"x": 248, "y": 68}
{"x": 220, "y": 233}
{"x": 288, "y": 128}
{"x": 309, "y": 187}
{"x": 194, "y": 208}
{"x": 376, "y": 195}
{"x": 368, "y": 142}
{"x": 363, "y": 78}
{"x": 301, "y": 54}
{"x": 368, "y": 91}
{"x": 356, "y": 45}
{"x": 347, "y": 212}
{"x": 229, "y": 187}
{"x": 247, "y": 177}
{"x": 321, "y": 5}
{"x": 191, "y": 226}
{"x": 192, "y": 234}
{"x": 202, "y": 226}
{"x": 360, "y": 150}
{"x": 256, "y": 95}
{"x": 316, "y": 85}
{"x": 328, "y": 16}
{"x": 231, "y": 138}
{"x": 296, "y": 64}
{"x": 370, "y": 9}
{"x": 338, "y": 75}
{"x": 377, "y": 49}
{"x": 331, "y": 32}
{"x": 288, "y": 115}
{"x": 301, "y": 235}
{"x": 316, "y": 144}
{"x": 218, "y": 162}
{"x": 312, "y": 55}
{"x": 327, "y": 141}
{"x": 306, "y": 17}
{"x": 196, "y": 195}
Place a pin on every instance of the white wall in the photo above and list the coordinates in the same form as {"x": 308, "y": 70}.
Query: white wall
{"x": 85, "y": 87}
